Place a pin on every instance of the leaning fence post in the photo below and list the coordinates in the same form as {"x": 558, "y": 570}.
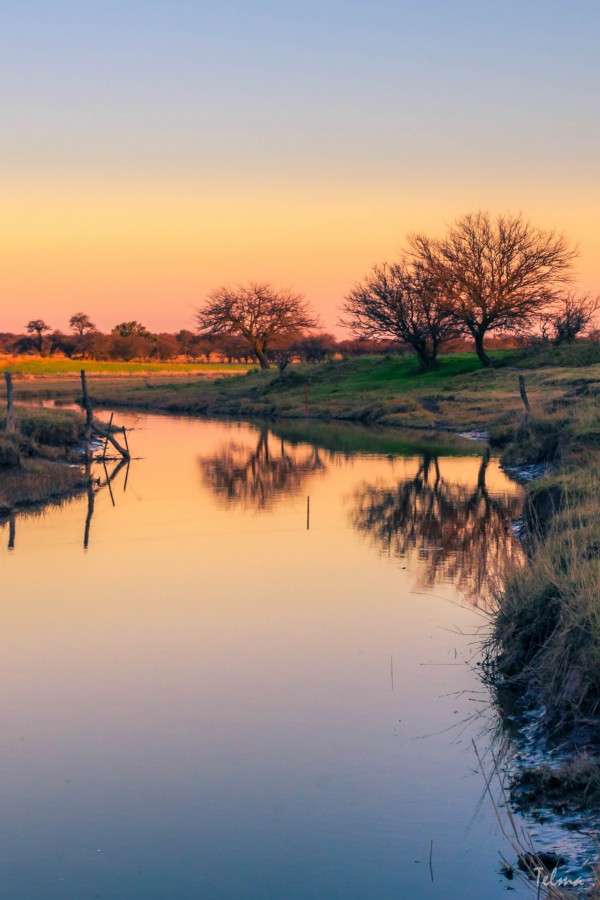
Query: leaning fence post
{"x": 524, "y": 394}
{"x": 10, "y": 403}
{"x": 88, "y": 415}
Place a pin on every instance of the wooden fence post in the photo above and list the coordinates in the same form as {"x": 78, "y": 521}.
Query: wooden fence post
{"x": 10, "y": 404}
{"x": 88, "y": 415}
{"x": 524, "y": 394}
{"x": 98, "y": 429}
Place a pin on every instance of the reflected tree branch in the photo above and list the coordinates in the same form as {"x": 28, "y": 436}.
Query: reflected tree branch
{"x": 95, "y": 485}
{"x": 459, "y": 534}
{"x": 255, "y": 477}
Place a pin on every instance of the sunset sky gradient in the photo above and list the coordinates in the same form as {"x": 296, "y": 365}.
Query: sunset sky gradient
{"x": 154, "y": 150}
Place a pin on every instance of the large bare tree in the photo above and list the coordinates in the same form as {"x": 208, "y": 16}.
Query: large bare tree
{"x": 256, "y": 311}
{"x": 403, "y": 302}
{"x": 496, "y": 274}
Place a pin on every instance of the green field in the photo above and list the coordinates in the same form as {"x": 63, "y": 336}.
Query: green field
{"x": 51, "y": 367}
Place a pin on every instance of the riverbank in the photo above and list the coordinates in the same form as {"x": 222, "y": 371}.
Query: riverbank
{"x": 40, "y": 463}
{"x": 456, "y": 396}
{"x": 543, "y": 656}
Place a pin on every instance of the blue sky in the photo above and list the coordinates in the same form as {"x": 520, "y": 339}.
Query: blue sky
{"x": 490, "y": 99}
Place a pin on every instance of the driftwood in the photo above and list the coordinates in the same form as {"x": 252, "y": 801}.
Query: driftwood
{"x": 110, "y": 437}
{"x": 92, "y": 427}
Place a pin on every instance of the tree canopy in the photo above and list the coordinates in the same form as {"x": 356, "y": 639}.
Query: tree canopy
{"x": 495, "y": 274}
{"x": 400, "y": 301}
{"x": 256, "y": 311}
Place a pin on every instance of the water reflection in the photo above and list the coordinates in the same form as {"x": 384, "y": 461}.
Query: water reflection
{"x": 256, "y": 476}
{"x": 222, "y": 723}
{"x": 12, "y": 531}
{"x": 461, "y": 533}
{"x": 93, "y": 485}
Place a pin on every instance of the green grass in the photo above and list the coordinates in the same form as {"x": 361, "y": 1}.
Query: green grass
{"x": 48, "y": 367}
{"x": 579, "y": 354}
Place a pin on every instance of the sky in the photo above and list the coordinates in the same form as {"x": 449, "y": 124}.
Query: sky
{"x": 152, "y": 150}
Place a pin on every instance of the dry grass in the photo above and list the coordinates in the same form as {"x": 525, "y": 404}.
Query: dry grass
{"x": 547, "y": 625}
{"x": 574, "y": 785}
{"x": 38, "y": 462}
{"x": 36, "y": 482}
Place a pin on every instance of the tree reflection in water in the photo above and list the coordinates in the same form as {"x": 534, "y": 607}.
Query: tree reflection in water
{"x": 255, "y": 477}
{"x": 460, "y": 534}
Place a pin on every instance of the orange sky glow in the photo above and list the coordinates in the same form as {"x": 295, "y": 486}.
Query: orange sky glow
{"x": 152, "y": 251}
{"x": 154, "y": 151}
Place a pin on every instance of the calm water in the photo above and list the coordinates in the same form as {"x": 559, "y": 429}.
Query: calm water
{"x": 216, "y": 701}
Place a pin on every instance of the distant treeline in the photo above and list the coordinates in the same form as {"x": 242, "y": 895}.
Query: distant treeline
{"x": 132, "y": 341}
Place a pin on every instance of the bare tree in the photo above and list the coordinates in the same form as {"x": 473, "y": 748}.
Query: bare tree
{"x": 496, "y": 274}
{"x": 315, "y": 348}
{"x": 283, "y": 349}
{"x": 37, "y": 328}
{"x": 572, "y": 314}
{"x": 403, "y": 302}
{"x": 257, "y": 312}
{"x": 84, "y": 334}
{"x": 81, "y": 324}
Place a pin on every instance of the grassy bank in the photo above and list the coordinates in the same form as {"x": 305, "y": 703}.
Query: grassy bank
{"x": 547, "y": 629}
{"x": 386, "y": 391}
{"x": 40, "y": 462}
{"x": 544, "y": 651}
{"x": 547, "y": 633}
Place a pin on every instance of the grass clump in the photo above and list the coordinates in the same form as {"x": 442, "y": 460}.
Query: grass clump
{"x": 36, "y": 461}
{"x": 48, "y": 428}
{"x": 36, "y": 482}
{"x": 577, "y": 354}
{"x": 574, "y": 785}
{"x": 539, "y": 439}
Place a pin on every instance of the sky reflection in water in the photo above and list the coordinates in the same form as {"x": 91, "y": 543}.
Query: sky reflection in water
{"x": 214, "y": 701}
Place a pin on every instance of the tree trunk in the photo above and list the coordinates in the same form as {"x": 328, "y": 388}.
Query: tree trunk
{"x": 424, "y": 355}
{"x": 479, "y": 349}
{"x": 262, "y": 359}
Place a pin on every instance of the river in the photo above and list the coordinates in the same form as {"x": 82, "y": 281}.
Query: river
{"x": 259, "y": 677}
